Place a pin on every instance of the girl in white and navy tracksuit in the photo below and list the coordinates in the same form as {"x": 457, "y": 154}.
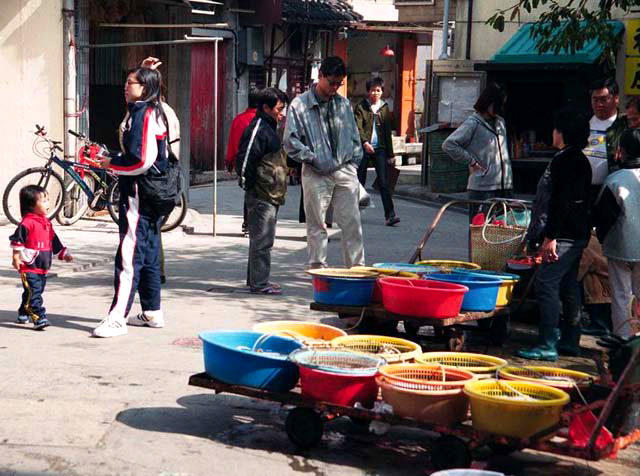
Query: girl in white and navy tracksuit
{"x": 137, "y": 264}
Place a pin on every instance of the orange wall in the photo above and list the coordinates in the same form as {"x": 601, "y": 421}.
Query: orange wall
{"x": 408, "y": 86}
{"x": 340, "y": 49}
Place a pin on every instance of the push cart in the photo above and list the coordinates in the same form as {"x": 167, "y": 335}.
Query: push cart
{"x": 495, "y": 323}
{"x": 304, "y": 424}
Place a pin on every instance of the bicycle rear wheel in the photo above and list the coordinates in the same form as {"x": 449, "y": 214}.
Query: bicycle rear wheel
{"x": 42, "y": 176}
{"x": 76, "y": 202}
{"x": 176, "y": 217}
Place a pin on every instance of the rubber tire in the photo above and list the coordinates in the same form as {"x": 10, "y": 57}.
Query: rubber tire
{"x": 53, "y": 175}
{"x": 304, "y": 427}
{"x": 113, "y": 196}
{"x": 450, "y": 452}
{"x": 75, "y": 190}
{"x": 176, "y": 217}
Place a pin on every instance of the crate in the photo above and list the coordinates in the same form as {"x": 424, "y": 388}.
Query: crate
{"x": 445, "y": 175}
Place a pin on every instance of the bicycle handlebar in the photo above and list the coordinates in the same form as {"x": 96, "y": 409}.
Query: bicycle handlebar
{"x": 76, "y": 134}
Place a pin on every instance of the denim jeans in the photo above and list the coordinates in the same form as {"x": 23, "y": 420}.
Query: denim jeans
{"x": 557, "y": 283}
{"x": 380, "y": 163}
{"x": 261, "y": 218}
{"x": 33, "y": 285}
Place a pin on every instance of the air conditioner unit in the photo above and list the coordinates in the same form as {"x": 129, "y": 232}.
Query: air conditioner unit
{"x": 251, "y": 46}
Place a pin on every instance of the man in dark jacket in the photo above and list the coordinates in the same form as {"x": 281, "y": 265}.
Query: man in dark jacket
{"x": 262, "y": 167}
{"x": 374, "y": 126}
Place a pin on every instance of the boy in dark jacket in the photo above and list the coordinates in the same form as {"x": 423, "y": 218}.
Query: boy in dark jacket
{"x": 262, "y": 167}
{"x": 373, "y": 120}
{"x": 34, "y": 243}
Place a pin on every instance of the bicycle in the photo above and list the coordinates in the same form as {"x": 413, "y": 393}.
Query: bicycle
{"x": 89, "y": 186}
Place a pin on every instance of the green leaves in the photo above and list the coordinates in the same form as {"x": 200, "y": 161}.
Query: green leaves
{"x": 568, "y": 25}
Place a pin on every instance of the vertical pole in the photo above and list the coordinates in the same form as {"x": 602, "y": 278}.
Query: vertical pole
{"x": 445, "y": 31}
{"x": 69, "y": 78}
{"x": 215, "y": 135}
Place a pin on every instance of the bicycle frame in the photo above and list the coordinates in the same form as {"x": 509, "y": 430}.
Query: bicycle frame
{"x": 71, "y": 167}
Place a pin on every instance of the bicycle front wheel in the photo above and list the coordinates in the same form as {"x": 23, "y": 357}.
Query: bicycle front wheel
{"x": 113, "y": 195}
{"x": 42, "y": 176}
{"x": 76, "y": 202}
{"x": 176, "y": 217}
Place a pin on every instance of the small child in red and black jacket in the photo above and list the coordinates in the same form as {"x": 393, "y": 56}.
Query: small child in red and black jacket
{"x": 34, "y": 243}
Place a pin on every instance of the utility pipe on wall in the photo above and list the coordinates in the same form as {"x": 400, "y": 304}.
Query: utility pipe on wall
{"x": 69, "y": 78}
{"x": 445, "y": 31}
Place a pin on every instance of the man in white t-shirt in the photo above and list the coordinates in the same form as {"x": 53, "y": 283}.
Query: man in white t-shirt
{"x": 604, "y": 101}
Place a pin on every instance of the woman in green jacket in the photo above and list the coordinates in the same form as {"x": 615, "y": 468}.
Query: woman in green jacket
{"x": 374, "y": 126}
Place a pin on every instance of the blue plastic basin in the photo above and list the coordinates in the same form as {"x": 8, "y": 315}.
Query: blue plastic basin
{"x": 228, "y": 357}
{"x": 343, "y": 291}
{"x": 483, "y": 290}
{"x": 419, "y": 269}
{"x": 485, "y": 272}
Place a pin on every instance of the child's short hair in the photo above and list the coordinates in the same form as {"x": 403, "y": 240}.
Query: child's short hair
{"x": 374, "y": 83}
{"x": 29, "y": 195}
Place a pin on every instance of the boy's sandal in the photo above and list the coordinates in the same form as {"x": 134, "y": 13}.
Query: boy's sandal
{"x": 269, "y": 289}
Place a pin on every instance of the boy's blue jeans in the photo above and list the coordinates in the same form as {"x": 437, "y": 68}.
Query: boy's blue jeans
{"x": 33, "y": 285}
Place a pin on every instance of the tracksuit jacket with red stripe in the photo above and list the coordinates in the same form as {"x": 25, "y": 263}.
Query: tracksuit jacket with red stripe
{"x": 145, "y": 143}
{"x": 37, "y": 243}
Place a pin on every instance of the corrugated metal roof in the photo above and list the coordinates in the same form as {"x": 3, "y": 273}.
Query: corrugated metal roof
{"x": 334, "y": 12}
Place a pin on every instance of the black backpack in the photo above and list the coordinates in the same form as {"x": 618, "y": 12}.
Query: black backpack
{"x": 160, "y": 191}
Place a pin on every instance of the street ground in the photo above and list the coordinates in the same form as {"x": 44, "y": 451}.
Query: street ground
{"x": 74, "y": 405}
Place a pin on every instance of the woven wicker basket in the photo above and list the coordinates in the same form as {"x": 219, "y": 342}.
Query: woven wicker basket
{"x": 491, "y": 248}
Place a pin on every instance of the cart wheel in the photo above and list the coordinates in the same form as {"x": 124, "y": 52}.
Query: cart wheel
{"x": 411, "y": 328}
{"x": 448, "y": 452}
{"x": 501, "y": 449}
{"x": 455, "y": 340}
{"x": 304, "y": 427}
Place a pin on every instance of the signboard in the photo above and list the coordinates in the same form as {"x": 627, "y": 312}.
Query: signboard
{"x": 632, "y": 30}
{"x": 632, "y": 60}
{"x": 632, "y": 76}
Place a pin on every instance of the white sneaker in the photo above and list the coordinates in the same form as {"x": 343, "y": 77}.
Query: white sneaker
{"x": 147, "y": 318}
{"x": 111, "y": 327}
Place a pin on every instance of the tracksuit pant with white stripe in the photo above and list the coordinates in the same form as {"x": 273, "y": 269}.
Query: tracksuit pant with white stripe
{"x": 137, "y": 265}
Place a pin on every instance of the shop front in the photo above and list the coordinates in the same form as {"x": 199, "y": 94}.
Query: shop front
{"x": 537, "y": 85}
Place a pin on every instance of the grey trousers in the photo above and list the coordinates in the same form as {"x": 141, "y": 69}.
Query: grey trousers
{"x": 261, "y": 219}
{"x": 340, "y": 189}
{"x": 624, "y": 278}
{"x": 556, "y": 284}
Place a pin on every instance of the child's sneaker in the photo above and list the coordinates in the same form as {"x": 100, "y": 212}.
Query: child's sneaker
{"x": 111, "y": 327}
{"x": 22, "y": 319}
{"x": 40, "y": 323}
{"x": 147, "y": 318}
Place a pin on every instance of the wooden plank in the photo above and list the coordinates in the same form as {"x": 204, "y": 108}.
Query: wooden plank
{"x": 377, "y": 312}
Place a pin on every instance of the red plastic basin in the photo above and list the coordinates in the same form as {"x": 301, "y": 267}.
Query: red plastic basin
{"x": 422, "y": 297}
{"x": 340, "y": 389}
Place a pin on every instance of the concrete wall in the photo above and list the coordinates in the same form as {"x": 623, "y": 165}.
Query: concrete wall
{"x": 427, "y": 13}
{"x": 31, "y": 88}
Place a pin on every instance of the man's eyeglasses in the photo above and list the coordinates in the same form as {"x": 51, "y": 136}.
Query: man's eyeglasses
{"x": 601, "y": 99}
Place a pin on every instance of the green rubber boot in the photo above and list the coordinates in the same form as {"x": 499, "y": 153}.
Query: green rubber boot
{"x": 569, "y": 343}
{"x": 546, "y": 350}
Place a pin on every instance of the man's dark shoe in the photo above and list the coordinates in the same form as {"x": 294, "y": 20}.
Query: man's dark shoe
{"x": 392, "y": 220}
{"x": 568, "y": 351}
{"x": 539, "y": 353}
{"x": 594, "y": 331}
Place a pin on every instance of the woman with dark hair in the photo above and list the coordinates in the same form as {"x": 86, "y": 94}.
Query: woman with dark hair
{"x": 137, "y": 263}
{"x": 560, "y": 230}
{"x": 481, "y": 143}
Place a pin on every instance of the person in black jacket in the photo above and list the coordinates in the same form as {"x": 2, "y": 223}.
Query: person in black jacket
{"x": 262, "y": 168}
{"x": 374, "y": 126}
{"x": 560, "y": 227}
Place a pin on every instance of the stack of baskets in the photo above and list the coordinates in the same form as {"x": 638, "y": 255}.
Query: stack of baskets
{"x": 391, "y": 349}
{"x": 429, "y": 393}
{"x": 483, "y": 366}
